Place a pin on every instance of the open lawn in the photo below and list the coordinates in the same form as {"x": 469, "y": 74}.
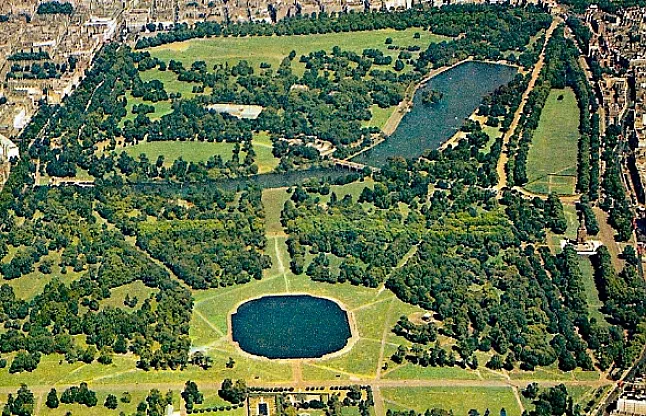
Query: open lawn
{"x": 458, "y": 399}
{"x": 161, "y": 108}
{"x": 552, "y": 158}
{"x": 265, "y": 159}
{"x": 135, "y": 289}
{"x": 188, "y": 151}
{"x": 592, "y": 293}
{"x": 136, "y": 397}
{"x": 170, "y": 81}
{"x": 379, "y": 116}
{"x": 272, "y": 49}
{"x": 273, "y": 200}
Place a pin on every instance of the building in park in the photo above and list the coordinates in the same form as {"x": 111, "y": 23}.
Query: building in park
{"x": 8, "y": 149}
{"x": 582, "y": 244}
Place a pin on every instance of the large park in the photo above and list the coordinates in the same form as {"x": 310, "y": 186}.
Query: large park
{"x": 389, "y": 184}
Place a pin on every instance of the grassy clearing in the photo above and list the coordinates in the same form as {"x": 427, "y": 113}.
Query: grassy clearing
{"x": 553, "y": 373}
{"x": 379, "y": 116}
{"x": 272, "y": 49}
{"x": 161, "y": 108}
{"x": 594, "y": 303}
{"x": 212, "y": 399}
{"x": 263, "y": 146}
{"x": 554, "y": 145}
{"x": 570, "y": 233}
{"x": 458, "y": 399}
{"x": 30, "y": 285}
{"x": 273, "y": 200}
{"x": 100, "y": 410}
{"x": 189, "y": 151}
{"x": 135, "y": 289}
{"x": 411, "y": 371}
{"x": 362, "y": 360}
{"x": 170, "y": 81}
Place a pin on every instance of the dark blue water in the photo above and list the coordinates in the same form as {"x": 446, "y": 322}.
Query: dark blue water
{"x": 427, "y": 126}
{"x": 290, "y": 327}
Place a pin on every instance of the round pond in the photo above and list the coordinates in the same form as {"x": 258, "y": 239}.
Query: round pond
{"x": 299, "y": 326}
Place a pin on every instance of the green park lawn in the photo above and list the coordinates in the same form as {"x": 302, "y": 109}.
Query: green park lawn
{"x": 594, "y": 303}
{"x": 554, "y": 145}
{"x": 379, "y": 116}
{"x": 161, "y": 108}
{"x": 458, "y": 399}
{"x": 196, "y": 151}
{"x": 170, "y": 81}
{"x": 136, "y": 397}
{"x": 272, "y": 49}
{"x": 263, "y": 147}
{"x": 192, "y": 151}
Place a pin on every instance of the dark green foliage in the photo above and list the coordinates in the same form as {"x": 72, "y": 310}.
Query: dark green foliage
{"x": 431, "y": 97}
{"x": 29, "y": 56}
{"x": 191, "y": 395}
{"x": 22, "y": 404}
{"x": 111, "y": 402}
{"x": 55, "y": 7}
{"x": 52, "y": 399}
{"x": 80, "y": 395}
{"x": 555, "y": 218}
{"x": 417, "y": 333}
{"x": 615, "y": 201}
{"x": 233, "y": 392}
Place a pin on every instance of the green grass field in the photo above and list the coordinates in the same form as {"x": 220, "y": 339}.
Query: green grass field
{"x": 592, "y": 293}
{"x": 189, "y": 151}
{"x": 552, "y": 158}
{"x": 161, "y": 108}
{"x": 570, "y": 233}
{"x": 273, "y": 200}
{"x": 170, "y": 81}
{"x": 272, "y": 49}
{"x": 263, "y": 146}
{"x": 458, "y": 399}
{"x": 379, "y": 116}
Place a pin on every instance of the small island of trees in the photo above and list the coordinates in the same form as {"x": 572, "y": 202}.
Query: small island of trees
{"x": 431, "y": 97}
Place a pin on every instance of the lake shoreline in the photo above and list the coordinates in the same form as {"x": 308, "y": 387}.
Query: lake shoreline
{"x": 405, "y": 105}
{"x": 416, "y": 128}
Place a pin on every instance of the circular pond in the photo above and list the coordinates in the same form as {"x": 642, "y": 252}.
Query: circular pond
{"x": 299, "y": 326}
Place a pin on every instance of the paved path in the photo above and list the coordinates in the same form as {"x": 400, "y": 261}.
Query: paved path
{"x": 504, "y": 156}
{"x": 384, "y": 336}
{"x": 213, "y": 385}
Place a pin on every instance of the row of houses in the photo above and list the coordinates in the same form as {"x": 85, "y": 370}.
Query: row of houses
{"x": 618, "y": 44}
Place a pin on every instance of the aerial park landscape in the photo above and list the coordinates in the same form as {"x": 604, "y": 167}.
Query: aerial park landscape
{"x": 344, "y": 214}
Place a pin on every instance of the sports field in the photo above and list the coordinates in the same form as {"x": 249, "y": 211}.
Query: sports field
{"x": 552, "y": 158}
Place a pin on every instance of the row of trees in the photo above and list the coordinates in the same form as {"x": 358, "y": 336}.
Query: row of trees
{"x": 55, "y": 7}
{"x": 451, "y": 21}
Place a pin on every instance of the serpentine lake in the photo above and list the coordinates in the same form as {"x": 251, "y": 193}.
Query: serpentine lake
{"x": 290, "y": 326}
{"x": 427, "y": 126}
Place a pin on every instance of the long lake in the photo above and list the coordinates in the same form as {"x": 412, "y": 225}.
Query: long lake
{"x": 427, "y": 126}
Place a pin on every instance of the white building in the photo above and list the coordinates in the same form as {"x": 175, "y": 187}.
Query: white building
{"x": 8, "y": 150}
{"x": 631, "y": 406}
